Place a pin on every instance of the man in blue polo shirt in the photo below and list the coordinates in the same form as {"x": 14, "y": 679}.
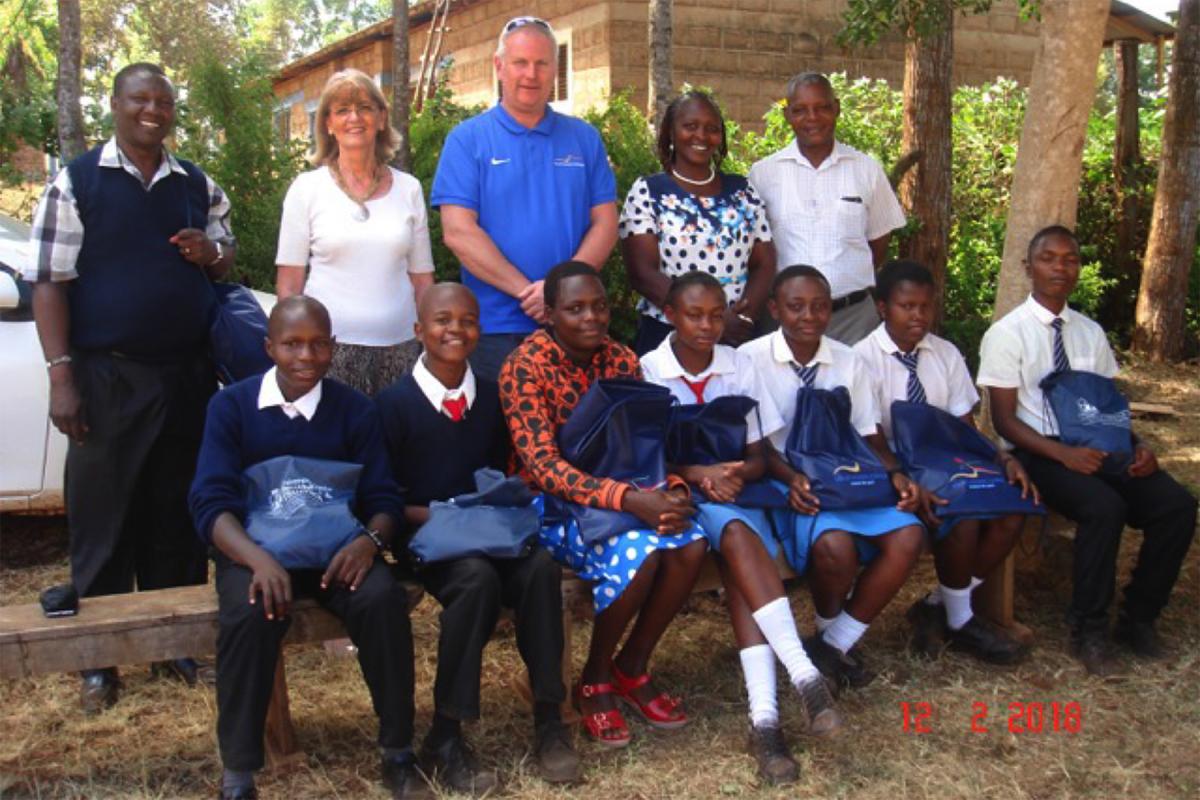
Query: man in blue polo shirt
{"x": 521, "y": 188}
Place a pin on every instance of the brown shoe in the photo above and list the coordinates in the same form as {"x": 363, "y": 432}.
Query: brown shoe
{"x": 1093, "y": 651}
{"x": 775, "y": 763}
{"x": 819, "y": 712}
{"x": 99, "y": 689}
{"x": 556, "y": 757}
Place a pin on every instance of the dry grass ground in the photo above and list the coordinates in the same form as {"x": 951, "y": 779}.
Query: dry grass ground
{"x": 1138, "y": 736}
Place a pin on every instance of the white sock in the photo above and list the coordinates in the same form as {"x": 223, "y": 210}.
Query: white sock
{"x": 934, "y": 598}
{"x": 823, "y": 623}
{"x": 958, "y": 606}
{"x": 776, "y": 622}
{"x": 758, "y": 668}
{"x": 845, "y": 632}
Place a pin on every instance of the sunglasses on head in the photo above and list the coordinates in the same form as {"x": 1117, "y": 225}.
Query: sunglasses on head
{"x": 521, "y": 22}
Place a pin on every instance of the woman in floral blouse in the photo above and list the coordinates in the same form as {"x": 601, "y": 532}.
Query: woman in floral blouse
{"x": 691, "y": 216}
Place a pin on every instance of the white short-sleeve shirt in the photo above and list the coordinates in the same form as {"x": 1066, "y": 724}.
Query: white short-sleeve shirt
{"x": 358, "y": 269}
{"x": 729, "y": 373}
{"x": 824, "y": 216}
{"x": 940, "y": 367}
{"x": 838, "y": 365}
{"x": 1018, "y": 352}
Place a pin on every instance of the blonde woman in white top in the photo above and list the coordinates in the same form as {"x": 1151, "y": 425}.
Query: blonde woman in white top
{"x": 355, "y": 235}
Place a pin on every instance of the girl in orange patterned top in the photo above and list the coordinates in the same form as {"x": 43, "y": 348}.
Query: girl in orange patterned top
{"x": 645, "y": 573}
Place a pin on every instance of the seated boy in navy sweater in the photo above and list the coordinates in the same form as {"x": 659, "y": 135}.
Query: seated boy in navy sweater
{"x": 442, "y": 422}
{"x": 293, "y": 410}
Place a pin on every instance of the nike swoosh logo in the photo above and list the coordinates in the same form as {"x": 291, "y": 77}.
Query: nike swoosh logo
{"x": 856, "y": 468}
{"x": 498, "y": 161}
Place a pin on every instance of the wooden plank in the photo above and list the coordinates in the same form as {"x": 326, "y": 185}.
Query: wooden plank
{"x": 279, "y": 736}
{"x": 1153, "y": 408}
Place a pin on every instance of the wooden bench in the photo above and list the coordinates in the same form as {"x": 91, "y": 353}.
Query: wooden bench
{"x": 174, "y": 623}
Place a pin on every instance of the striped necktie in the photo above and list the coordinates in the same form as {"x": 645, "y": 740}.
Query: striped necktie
{"x": 1061, "y": 362}
{"x": 916, "y": 392}
{"x": 807, "y": 375}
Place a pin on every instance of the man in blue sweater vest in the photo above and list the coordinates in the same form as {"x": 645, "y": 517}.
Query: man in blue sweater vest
{"x": 125, "y": 242}
{"x": 442, "y": 422}
{"x": 293, "y": 410}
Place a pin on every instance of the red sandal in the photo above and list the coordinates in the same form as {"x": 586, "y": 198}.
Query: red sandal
{"x": 606, "y": 727}
{"x": 664, "y": 711}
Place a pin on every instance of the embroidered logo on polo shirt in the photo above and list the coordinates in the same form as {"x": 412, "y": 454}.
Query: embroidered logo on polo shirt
{"x": 498, "y": 161}
{"x": 569, "y": 160}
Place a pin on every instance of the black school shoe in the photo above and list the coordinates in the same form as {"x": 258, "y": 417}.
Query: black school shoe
{"x": 980, "y": 640}
{"x": 817, "y": 703}
{"x": 244, "y": 793}
{"x": 929, "y": 628}
{"x": 776, "y": 766}
{"x": 453, "y": 763}
{"x": 403, "y": 780}
{"x": 1093, "y": 650}
{"x": 98, "y": 690}
{"x": 557, "y": 760}
{"x": 188, "y": 670}
{"x": 1140, "y": 637}
{"x": 841, "y": 670}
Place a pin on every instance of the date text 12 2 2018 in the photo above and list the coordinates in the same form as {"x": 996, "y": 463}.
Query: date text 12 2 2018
{"x": 1021, "y": 717}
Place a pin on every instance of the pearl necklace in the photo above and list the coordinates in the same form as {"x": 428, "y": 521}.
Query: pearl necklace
{"x": 712, "y": 173}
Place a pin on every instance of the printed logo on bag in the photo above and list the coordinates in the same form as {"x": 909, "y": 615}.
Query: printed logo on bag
{"x": 297, "y": 493}
{"x": 856, "y": 467}
{"x": 854, "y": 475}
{"x": 976, "y": 477}
{"x": 1090, "y": 415}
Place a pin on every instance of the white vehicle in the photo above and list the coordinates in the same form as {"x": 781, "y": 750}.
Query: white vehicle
{"x": 32, "y": 451}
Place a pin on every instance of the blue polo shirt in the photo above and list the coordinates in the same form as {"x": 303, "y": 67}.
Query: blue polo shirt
{"x": 533, "y": 189}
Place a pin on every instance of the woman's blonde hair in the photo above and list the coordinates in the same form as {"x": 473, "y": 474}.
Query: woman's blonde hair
{"x": 351, "y": 83}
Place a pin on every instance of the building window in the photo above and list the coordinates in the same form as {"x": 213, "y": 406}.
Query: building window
{"x": 283, "y": 123}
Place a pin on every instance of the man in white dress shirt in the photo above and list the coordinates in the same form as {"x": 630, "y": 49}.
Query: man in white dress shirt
{"x": 829, "y": 205}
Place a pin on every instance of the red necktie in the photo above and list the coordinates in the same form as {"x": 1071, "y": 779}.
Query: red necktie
{"x": 456, "y": 407}
{"x": 697, "y": 387}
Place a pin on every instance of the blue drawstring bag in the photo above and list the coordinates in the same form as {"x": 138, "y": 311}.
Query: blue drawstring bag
{"x": 618, "y": 430}
{"x": 842, "y": 469}
{"x": 499, "y": 520}
{"x": 1091, "y": 412}
{"x": 300, "y": 509}
{"x": 954, "y": 461}
{"x": 715, "y": 433}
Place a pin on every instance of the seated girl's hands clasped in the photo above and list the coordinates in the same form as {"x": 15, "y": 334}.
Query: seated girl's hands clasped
{"x": 666, "y": 512}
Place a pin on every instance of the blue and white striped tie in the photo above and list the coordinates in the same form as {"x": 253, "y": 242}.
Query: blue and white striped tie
{"x": 916, "y": 392}
{"x": 808, "y": 375}
{"x": 1061, "y": 362}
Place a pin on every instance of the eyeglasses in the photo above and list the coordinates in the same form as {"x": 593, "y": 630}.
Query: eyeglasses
{"x": 521, "y": 22}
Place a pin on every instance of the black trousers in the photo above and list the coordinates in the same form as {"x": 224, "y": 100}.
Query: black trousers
{"x": 1103, "y": 505}
{"x": 127, "y": 484}
{"x": 471, "y": 592}
{"x": 376, "y": 616}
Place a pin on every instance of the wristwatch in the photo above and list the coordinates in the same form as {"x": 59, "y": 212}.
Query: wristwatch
{"x": 220, "y": 253}
{"x": 375, "y": 538}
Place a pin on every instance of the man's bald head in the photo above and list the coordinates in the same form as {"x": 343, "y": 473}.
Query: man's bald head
{"x": 295, "y": 308}
{"x": 441, "y": 294}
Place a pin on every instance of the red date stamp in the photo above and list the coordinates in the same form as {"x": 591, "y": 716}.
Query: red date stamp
{"x": 1034, "y": 717}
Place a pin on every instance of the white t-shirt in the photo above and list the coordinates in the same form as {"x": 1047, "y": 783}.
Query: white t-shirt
{"x": 824, "y": 216}
{"x": 838, "y": 365}
{"x": 729, "y": 373}
{"x": 1018, "y": 351}
{"x": 359, "y": 270}
{"x": 940, "y": 367}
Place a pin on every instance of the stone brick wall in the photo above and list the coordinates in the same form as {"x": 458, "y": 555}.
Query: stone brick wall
{"x": 743, "y": 49}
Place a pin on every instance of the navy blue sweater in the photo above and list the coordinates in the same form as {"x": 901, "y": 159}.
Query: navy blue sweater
{"x": 238, "y": 435}
{"x": 433, "y": 457}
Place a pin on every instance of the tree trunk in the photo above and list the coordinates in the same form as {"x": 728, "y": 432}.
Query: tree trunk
{"x": 1126, "y": 161}
{"x": 661, "y": 87}
{"x": 70, "y": 113}
{"x": 401, "y": 103}
{"x": 1159, "y": 332}
{"x": 1045, "y": 188}
{"x": 925, "y": 190}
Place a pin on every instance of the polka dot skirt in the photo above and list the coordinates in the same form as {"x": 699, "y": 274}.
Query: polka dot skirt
{"x": 610, "y": 565}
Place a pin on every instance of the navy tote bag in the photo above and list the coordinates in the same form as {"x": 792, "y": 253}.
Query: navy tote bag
{"x": 300, "y": 509}
{"x": 714, "y": 433}
{"x": 617, "y": 431}
{"x": 1091, "y": 412}
{"x": 954, "y": 461}
{"x": 499, "y": 520}
{"x": 842, "y": 469}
